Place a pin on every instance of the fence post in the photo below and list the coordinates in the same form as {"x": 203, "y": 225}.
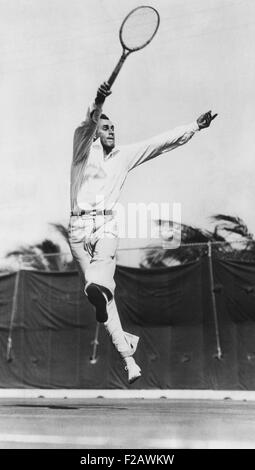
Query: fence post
{"x": 215, "y": 315}
{"x": 14, "y": 310}
{"x": 95, "y": 342}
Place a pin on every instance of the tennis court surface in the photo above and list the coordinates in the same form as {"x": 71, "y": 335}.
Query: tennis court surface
{"x": 101, "y": 423}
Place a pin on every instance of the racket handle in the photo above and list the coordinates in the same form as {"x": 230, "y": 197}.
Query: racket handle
{"x": 116, "y": 71}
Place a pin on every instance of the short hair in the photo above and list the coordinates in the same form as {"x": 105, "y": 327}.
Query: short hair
{"x": 103, "y": 116}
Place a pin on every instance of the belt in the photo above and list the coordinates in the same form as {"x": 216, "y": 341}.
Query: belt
{"x": 93, "y": 212}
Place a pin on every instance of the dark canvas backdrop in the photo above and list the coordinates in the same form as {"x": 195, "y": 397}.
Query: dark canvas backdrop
{"x": 52, "y": 327}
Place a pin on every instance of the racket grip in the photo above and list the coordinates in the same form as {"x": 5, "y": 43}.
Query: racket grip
{"x": 116, "y": 71}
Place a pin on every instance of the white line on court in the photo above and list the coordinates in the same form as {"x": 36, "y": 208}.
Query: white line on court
{"x": 41, "y": 416}
{"x": 99, "y": 441}
{"x": 54, "y": 439}
{"x": 126, "y": 394}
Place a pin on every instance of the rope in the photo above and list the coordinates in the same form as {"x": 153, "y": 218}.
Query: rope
{"x": 164, "y": 244}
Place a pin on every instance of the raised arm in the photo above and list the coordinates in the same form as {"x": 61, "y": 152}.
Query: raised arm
{"x": 84, "y": 134}
{"x": 144, "y": 151}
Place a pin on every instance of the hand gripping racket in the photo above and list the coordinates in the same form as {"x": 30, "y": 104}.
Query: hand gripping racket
{"x": 137, "y": 30}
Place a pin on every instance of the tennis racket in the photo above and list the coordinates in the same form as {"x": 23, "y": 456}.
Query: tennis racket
{"x": 137, "y": 31}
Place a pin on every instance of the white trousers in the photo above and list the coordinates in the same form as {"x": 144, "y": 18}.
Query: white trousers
{"x": 93, "y": 242}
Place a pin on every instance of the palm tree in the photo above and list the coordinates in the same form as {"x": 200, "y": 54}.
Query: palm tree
{"x": 28, "y": 257}
{"x": 236, "y": 231}
{"x": 231, "y": 225}
{"x": 194, "y": 243}
{"x": 48, "y": 256}
{"x": 44, "y": 256}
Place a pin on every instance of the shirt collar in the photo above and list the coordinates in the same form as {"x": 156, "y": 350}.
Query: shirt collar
{"x": 98, "y": 146}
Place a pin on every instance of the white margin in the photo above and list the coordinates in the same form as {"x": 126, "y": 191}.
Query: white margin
{"x": 128, "y": 394}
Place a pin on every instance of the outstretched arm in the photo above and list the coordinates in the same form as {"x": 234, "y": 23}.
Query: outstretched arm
{"x": 84, "y": 134}
{"x": 144, "y": 151}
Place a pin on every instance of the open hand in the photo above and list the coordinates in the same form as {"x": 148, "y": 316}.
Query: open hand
{"x": 102, "y": 93}
{"x": 205, "y": 119}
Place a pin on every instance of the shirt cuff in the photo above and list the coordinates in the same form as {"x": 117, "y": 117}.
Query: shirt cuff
{"x": 194, "y": 127}
{"x": 95, "y": 111}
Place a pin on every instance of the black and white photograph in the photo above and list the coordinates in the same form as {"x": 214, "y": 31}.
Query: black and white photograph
{"x": 127, "y": 241}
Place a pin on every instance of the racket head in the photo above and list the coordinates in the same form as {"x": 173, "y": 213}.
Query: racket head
{"x": 139, "y": 28}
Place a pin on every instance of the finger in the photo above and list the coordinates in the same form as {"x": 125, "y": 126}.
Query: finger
{"x": 215, "y": 115}
{"x": 103, "y": 88}
{"x": 103, "y": 92}
{"x": 107, "y": 92}
{"x": 106, "y": 85}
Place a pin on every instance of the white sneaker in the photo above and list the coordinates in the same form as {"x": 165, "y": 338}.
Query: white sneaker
{"x": 132, "y": 341}
{"x": 133, "y": 370}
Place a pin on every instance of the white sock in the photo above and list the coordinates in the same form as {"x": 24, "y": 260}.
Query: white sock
{"x": 129, "y": 361}
{"x": 114, "y": 329}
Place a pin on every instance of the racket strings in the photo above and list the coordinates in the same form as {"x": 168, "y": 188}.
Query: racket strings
{"x": 139, "y": 28}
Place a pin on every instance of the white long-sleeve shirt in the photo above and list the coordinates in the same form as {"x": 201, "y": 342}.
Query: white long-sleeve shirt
{"x": 96, "y": 180}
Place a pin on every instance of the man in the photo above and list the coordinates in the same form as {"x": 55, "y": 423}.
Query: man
{"x": 98, "y": 172}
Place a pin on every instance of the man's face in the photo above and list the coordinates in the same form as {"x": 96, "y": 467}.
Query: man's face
{"x": 106, "y": 133}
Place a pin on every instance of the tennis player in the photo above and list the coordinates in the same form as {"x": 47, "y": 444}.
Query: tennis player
{"x": 98, "y": 172}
